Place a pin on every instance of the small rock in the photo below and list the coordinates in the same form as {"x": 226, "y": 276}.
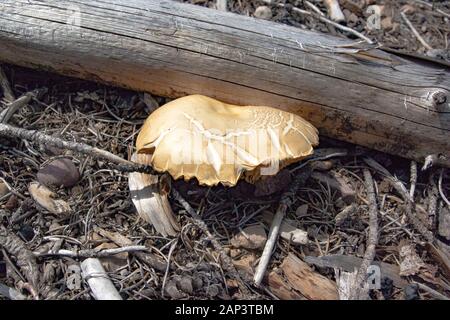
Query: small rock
{"x": 12, "y": 203}
{"x": 59, "y": 172}
{"x": 172, "y": 291}
{"x": 3, "y": 189}
{"x": 263, "y": 12}
{"x": 387, "y": 288}
{"x": 185, "y": 285}
{"x": 27, "y": 232}
{"x": 253, "y": 237}
{"x": 197, "y": 282}
{"x": 412, "y": 292}
{"x": 213, "y": 291}
{"x": 47, "y": 199}
{"x": 148, "y": 292}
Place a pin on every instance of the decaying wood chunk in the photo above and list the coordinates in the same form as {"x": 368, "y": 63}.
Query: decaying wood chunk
{"x": 280, "y": 288}
{"x": 309, "y": 283}
{"x": 350, "y": 263}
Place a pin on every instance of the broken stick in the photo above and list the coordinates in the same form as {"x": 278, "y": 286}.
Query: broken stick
{"x": 99, "y": 282}
{"x": 285, "y": 202}
{"x": 38, "y": 137}
{"x": 361, "y": 276}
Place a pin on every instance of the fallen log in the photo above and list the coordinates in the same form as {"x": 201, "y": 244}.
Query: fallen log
{"x": 350, "y": 91}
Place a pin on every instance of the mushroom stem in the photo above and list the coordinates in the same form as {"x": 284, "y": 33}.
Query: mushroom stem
{"x": 334, "y": 10}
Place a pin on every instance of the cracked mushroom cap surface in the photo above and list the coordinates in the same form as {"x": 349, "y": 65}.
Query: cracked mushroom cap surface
{"x": 200, "y": 137}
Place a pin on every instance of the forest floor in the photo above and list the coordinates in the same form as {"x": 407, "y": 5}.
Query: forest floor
{"x": 332, "y": 206}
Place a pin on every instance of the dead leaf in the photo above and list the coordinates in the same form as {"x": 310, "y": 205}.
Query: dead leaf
{"x": 253, "y": 237}
{"x": 48, "y": 199}
{"x": 411, "y": 263}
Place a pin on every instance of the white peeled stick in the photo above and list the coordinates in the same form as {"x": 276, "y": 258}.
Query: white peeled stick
{"x": 101, "y": 286}
{"x": 334, "y": 10}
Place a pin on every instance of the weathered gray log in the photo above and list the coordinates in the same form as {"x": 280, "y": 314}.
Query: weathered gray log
{"x": 350, "y": 91}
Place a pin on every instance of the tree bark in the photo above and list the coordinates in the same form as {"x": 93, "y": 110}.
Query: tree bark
{"x": 352, "y": 92}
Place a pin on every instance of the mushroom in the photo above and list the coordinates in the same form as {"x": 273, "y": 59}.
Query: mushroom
{"x": 214, "y": 142}
{"x": 199, "y": 137}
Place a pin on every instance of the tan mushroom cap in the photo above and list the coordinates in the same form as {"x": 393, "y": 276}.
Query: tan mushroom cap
{"x": 197, "y": 136}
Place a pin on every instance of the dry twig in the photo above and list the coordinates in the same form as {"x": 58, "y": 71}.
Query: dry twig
{"x": 285, "y": 203}
{"x": 372, "y": 241}
{"x": 92, "y": 253}
{"x": 46, "y": 140}
{"x": 415, "y": 32}
{"x": 197, "y": 220}
{"x": 323, "y": 19}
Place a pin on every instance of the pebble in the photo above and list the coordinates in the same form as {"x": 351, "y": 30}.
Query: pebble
{"x": 27, "y": 232}
{"x": 185, "y": 285}
{"x": 263, "y": 12}
{"x": 253, "y": 237}
{"x": 412, "y": 292}
{"x": 3, "y": 189}
{"x": 59, "y": 172}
